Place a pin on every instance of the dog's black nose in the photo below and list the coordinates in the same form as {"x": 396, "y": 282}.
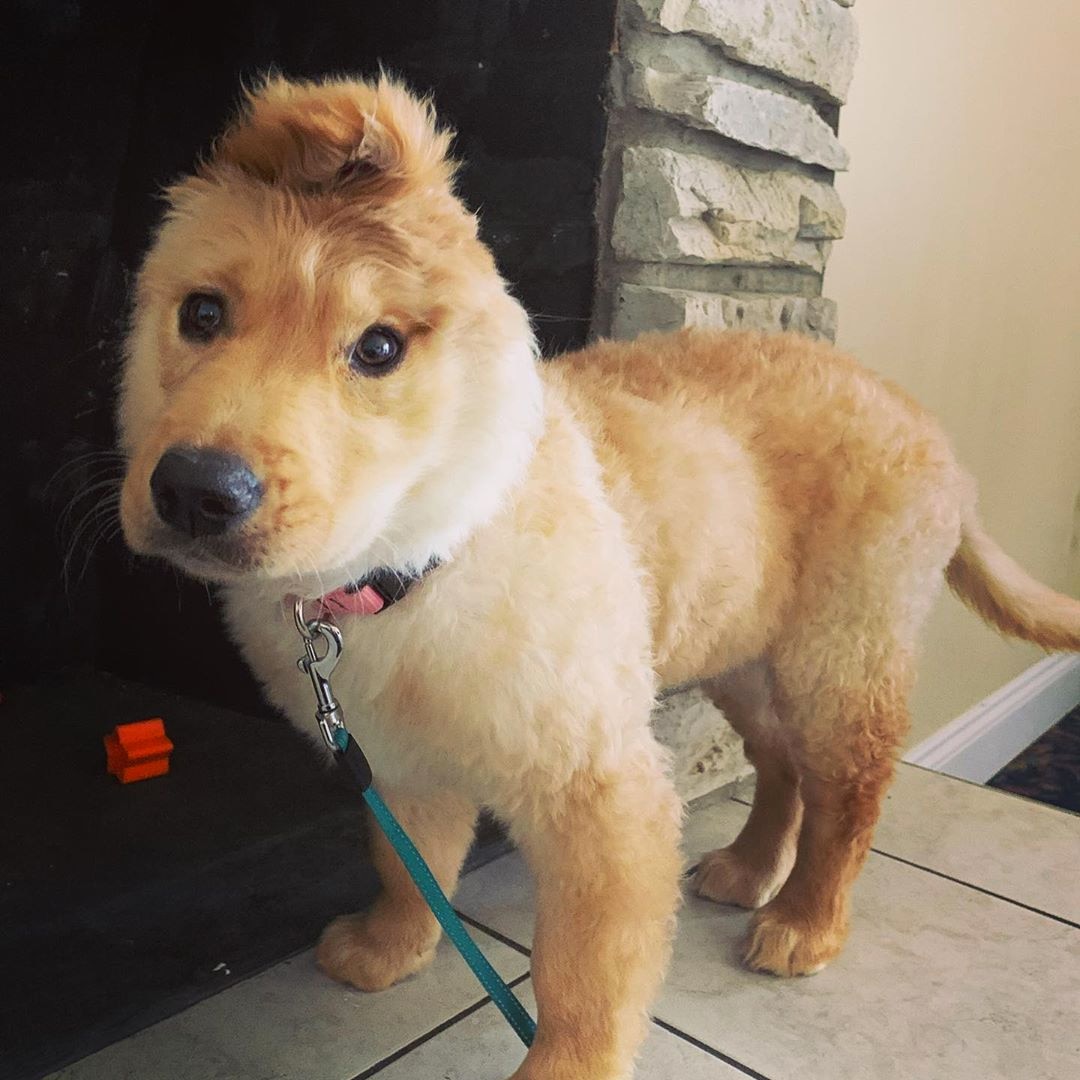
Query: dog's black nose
{"x": 203, "y": 492}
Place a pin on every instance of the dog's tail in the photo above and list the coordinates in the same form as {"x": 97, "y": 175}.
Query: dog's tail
{"x": 1006, "y": 596}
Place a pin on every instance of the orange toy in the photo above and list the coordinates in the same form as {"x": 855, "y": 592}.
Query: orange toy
{"x": 138, "y": 751}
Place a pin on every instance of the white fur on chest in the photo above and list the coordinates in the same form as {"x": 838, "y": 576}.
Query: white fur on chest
{"x": 372, "y": 651}
{"x": 469, "y": 684}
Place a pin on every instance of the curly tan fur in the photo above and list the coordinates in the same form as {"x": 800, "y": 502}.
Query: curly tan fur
{"x": 755, "y": 513}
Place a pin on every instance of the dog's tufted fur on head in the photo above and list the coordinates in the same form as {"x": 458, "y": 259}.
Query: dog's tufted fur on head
{"x": 375, "y": 140}
{"x": 325, "y": 374}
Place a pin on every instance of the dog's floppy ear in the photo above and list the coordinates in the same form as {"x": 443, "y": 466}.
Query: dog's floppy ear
{"x": 325, "y": 136}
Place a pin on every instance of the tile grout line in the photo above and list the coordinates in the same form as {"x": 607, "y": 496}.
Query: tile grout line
{"x": 710, "y": 1050}
{"x": 408, "y": 1048}
{"x": 979, "y": 889}
{"x": 959, "y": 881}
{"x": 501, "y": 938}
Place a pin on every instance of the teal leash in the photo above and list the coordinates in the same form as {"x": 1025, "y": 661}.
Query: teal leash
{"x": 504, "y": 998}
{"x": 348, "y": 753}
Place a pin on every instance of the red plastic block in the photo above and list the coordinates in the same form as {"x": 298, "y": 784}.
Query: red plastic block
{"x": 138, "y": 751}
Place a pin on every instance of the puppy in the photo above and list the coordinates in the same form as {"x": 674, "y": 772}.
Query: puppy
{"x": 328, "y": 386}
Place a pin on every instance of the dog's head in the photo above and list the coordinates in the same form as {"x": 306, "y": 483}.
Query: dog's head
{"x": 324, "y": 371}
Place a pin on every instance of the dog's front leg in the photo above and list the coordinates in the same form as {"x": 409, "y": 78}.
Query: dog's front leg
{"x": 605, "y": 853}
{"x": 397, "y": 936}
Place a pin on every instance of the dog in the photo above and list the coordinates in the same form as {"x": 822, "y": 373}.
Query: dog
{"x": 327, "y": 386}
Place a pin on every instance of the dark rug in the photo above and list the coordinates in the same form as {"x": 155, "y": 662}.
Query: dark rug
{"x": 122, "y": 904}
{"x": 1049, "y": 769}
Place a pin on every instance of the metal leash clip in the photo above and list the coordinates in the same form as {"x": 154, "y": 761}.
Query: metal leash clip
{"x": 328, "y": 712}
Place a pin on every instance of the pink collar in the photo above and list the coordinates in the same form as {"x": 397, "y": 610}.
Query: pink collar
{"x": 362, "y": 601}
{"x": 373, "y": 593}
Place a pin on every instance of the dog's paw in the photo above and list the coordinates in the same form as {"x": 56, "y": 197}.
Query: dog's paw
{"x": 782, "y": 944}
{"x": 726, "y": 877}
{"x": 370, "y": 952}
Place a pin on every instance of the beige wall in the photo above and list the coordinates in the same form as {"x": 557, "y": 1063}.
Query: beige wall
{"x": 959, "y": 276}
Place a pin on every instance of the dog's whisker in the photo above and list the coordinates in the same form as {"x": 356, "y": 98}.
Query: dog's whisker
{"x": 110, "y": 485}
{"x": 396, "y": 561}
{"x": 97, "y": 537}
{"x": 108, "y": 459}
{"x": 99, "y": 520}
{"x": 317, "y": 573}
{"x": 96, "y": 518}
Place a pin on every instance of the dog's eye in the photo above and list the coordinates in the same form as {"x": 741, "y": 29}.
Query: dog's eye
{"x": 202, "y": 316}
{"x": 378, "y": 351}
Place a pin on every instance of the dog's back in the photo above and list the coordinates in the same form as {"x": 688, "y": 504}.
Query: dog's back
{"x": 744, "y": 463}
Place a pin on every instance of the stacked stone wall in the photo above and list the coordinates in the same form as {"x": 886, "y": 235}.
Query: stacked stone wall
{"x": 717, "y": 203}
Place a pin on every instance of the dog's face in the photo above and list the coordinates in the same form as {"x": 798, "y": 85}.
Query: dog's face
{"x": 324, "y": 371}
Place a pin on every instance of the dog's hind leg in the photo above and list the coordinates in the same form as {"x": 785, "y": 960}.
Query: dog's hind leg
{"x": 753, "y": 867}
{"x": 847, "y": 737}
{"x": 848, "y": 714}
{"x": 397, "y": 936}
{"x": 843, "y": 667}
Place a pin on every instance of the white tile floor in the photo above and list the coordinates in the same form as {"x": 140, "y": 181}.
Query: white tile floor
{"x": 964, "y": 963}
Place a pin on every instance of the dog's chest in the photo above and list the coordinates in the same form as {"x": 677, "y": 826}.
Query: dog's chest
{"x": 367, "y": 681}
{"x": 477, "y": 678}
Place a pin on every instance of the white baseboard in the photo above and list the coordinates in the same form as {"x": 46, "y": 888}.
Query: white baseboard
{"x": 979, "y": 742}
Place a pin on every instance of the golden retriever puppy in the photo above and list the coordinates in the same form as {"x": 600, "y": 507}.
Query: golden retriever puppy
{"x": 328, "y": 386}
